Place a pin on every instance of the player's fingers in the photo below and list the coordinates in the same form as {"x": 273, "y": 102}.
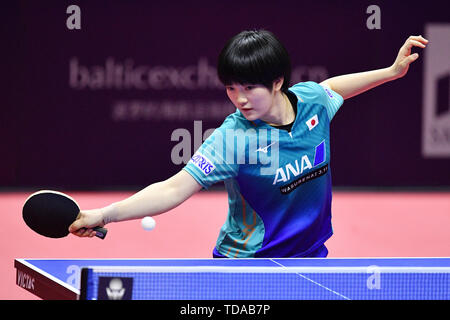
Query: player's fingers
{"x": 418, "y": 38}
{"x": 78, "y": 233}
{"x": 411, "y": 58}
{"x": 79, "y": 228}
{"x": 418, "y": 41}
{"x": 83, "y": 232}
{"x": 411, "y": 43}
{"x": 76, "y": 226}
{"x": 89, "y": 233}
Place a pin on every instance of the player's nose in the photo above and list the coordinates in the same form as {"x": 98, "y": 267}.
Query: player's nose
{"x": 242, "y": 100}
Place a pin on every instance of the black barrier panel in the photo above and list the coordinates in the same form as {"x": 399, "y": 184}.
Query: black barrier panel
{"x": 110, "y": 94}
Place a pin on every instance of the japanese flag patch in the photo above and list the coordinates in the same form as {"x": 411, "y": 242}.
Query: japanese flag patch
{"x": 313, "y": 122}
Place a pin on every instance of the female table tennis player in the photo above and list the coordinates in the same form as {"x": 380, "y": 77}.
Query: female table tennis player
{"x": 284, "y": 211}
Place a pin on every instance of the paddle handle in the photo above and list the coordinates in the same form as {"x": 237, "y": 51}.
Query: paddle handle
{"x": 100, "y": 232}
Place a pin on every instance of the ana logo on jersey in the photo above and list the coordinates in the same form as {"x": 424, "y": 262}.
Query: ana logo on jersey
{"x": 295, "y": 169}
{"x": 313, "y": 122}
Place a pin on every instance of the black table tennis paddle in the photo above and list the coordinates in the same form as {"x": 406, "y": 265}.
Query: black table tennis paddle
{"x": 50, "y": 213}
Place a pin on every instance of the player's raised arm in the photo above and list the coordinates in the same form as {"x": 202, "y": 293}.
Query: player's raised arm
{"x": 353, "y": 84}
{"x": 155, "y": 199}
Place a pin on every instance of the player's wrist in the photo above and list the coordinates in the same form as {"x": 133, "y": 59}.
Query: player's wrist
{"x": 109, "y": 214}
{"x": 393, "y": 72}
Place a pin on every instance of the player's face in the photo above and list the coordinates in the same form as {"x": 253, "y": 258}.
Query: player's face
{"x": 253, "y": 100}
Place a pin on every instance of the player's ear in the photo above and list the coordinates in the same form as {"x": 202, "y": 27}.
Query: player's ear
{"x": 277, "y": 84}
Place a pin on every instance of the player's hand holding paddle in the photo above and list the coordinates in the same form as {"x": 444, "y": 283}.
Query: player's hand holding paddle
{"x": 50, "y": 213}
{"x": 54, "y": 214}
{"x": 87, "y": 223}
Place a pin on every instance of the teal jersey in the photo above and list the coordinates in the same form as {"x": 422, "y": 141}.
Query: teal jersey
{"x": 278, "y": 182}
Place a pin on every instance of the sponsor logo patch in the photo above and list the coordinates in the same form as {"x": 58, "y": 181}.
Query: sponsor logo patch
{"x": 308, "y": 177}
{"x": 296, "y": 169}
{"x": 203, "y": 163}
{"x": 329, "y": 93}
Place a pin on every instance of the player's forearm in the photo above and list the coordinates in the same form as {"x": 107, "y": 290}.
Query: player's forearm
{"x": 155, "y": 199}
{"x": 350, "y": 85}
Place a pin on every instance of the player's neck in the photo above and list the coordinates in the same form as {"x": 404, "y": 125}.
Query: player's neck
{"x": 281, "y": 112}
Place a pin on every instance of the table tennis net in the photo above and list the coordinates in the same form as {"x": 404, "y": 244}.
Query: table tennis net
{"x": 257, "y": 283}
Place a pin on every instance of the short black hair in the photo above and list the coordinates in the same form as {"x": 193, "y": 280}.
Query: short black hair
{"x": 254, "y": 57}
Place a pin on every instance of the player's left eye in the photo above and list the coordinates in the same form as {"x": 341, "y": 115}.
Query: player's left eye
{"x": 250, "y": 87}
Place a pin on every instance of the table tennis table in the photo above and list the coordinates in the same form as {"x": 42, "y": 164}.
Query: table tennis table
{"x": 237, "y": 279}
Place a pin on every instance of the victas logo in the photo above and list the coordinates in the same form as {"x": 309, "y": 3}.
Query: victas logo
{"x": 436, "y": 98}
{"x": 24, "y": 280}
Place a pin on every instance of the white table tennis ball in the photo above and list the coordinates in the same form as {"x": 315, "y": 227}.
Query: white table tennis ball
{"x": 148, "y": 223}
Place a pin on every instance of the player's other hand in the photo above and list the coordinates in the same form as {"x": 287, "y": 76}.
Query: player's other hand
{"x": 405, "y": 58}
{"x": 86, "y": 221}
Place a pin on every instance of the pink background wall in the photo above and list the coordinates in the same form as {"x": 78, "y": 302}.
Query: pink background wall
{"x": 365, "y": 224}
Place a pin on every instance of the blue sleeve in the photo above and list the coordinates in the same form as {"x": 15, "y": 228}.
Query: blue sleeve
{"x": 312, "y": 92}
{"x": 211, "y": 163}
